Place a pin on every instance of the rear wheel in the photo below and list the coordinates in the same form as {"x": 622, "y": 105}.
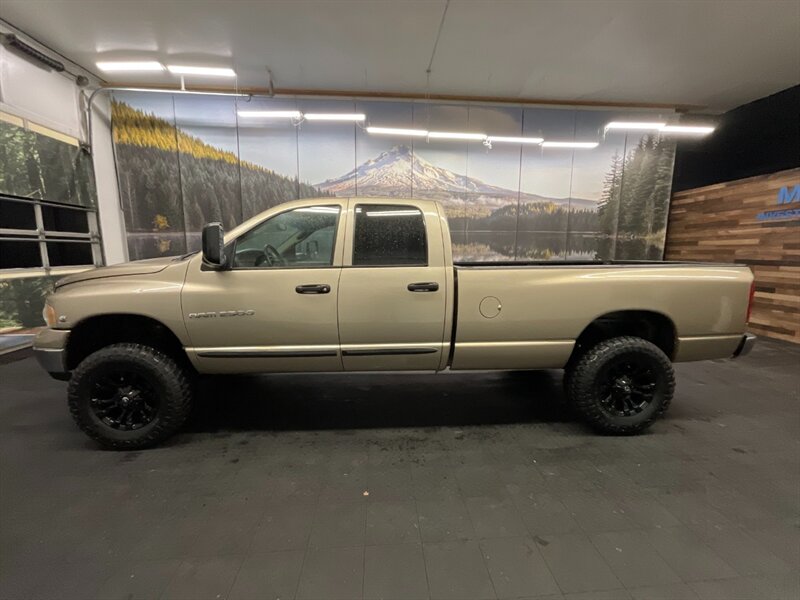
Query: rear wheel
{"x": 621, "y": 385}
{"x": 129, "y": 396}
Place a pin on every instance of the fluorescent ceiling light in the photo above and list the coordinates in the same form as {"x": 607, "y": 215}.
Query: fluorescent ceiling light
{"x": 335, "y": 116}
{"x": 662, "y": 127}
{"x": 455, "y": 135}
{"x": 171, "y": 91}
{"x": 276, "y": 114}
{"x": 212, "y": 71}
{"x": 570, "y": 144}
{"x": 395, "y": 131}
{"x": 318, "y": 209}
{"x": 392, "y": 213}
{"x": 634, "y": 125}
{"x": 145, "y": 65}
{"x": 695, "y": 129}
{"x": 516, "y": 140}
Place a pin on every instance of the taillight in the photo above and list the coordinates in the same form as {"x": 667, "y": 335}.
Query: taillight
{"x": 750, "y": 301}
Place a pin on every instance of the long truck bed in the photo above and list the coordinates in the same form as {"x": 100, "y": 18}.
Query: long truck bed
{"x": 529, "y": 315}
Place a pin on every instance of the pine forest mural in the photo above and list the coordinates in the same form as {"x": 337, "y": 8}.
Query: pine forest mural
{"x": 33, "y": 165}
{"x": 184, "y": 162}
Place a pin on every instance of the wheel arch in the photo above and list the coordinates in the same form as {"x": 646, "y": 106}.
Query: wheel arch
{"x": 98, "y": 331}
{"x": 653, "y": 326}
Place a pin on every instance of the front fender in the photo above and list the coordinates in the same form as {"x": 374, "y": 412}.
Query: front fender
{"x": 156, "y": 295}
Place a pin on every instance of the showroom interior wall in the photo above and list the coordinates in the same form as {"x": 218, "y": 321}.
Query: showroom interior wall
{"x": 737, "y": 199}
{"x": 56, "y": 196}
{"x": 757, "y": 138}
{"x": 187, "y": 160}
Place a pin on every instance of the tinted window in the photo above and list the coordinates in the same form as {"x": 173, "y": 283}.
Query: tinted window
{"x": 389, "y": 234}
{"x": 303, "y": 237}
{"x": 19, "y": 254}
{"x": 58, "y": 218}
{"x": 62, "y": 254}
{"x": 16, "y": 215}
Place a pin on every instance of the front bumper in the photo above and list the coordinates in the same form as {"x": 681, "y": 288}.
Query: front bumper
{"x": 745, "y": 346}
{"x": 52, "y": 361}
{"x": 49, "y": 348}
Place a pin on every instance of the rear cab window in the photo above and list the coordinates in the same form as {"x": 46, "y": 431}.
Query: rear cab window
{"x": 389, "y": 235}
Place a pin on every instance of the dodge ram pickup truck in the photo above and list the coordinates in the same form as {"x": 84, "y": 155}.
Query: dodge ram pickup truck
{"x": 368, "y": 284}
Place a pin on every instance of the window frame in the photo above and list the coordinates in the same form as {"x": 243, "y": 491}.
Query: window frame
{"x": 421, "y": 212}
{"x": 234, "y": 243}
{"x": 43, "y": 236}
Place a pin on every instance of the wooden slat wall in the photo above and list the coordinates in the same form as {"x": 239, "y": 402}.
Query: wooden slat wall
{"x": 718, "y": 223}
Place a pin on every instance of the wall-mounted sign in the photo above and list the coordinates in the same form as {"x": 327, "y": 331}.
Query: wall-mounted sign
{"x": 786, "y": 195}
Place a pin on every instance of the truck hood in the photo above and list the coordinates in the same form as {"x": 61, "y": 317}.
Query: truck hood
{"x": 136, "y": 267}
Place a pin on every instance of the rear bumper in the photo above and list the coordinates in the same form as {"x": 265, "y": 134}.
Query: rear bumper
{"x": 745, "y": 346}
{"x": 49, "y": 348}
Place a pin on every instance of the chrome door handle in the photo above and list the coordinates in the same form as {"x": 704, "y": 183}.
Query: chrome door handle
{"x": 429, "y": 286}
{"x": 313, "y": 288}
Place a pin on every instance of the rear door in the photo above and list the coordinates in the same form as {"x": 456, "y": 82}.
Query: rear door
{"x": 393, "y": 287}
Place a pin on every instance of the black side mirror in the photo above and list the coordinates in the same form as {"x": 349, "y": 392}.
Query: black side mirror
{"x": 213, "y": 245}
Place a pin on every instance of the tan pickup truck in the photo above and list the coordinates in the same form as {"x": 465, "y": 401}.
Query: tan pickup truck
{"x": 367, "y": 284}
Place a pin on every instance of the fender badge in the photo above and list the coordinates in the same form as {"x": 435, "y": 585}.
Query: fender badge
{"x": 222, "y": 313}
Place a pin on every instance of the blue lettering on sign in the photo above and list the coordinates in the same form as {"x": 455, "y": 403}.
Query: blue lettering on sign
{"x": 768, "y": 215}
{"x": 786, "y": 195}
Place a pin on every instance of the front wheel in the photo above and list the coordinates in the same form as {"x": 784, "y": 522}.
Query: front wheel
{"x": 129, "y": 396}
{"x": 622, "y": 385}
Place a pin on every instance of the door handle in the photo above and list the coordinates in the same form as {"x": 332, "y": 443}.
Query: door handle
{"x": 430, "y": 286}
{"x": 313, "y": 288}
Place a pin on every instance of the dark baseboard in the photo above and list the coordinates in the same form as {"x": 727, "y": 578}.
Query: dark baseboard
{"x": 15, "y": 354}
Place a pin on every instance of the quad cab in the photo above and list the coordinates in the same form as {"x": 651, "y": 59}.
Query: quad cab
{"x": 362, "y": 284}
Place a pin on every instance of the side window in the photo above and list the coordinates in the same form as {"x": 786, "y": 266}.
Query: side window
{"x": 303, "y": 237}
{"x": 389, "y": 235}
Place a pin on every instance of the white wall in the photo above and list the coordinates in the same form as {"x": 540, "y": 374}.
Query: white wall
{"x": 109, "y": 210}
{"x": 45, "y": 97}
{"x": 53, "y": 100}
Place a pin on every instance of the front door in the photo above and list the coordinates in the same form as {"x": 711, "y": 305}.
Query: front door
{"x": 275, "y": 308}
{"x": 392, "y": 291}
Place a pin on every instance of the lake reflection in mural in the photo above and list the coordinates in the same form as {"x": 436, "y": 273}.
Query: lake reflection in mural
{"x": 549, "y": 246}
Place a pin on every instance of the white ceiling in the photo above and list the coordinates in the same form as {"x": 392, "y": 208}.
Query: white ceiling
{"x": 709, "y": 53}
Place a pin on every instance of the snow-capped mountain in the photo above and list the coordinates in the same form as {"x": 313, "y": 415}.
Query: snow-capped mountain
{"x": 392, "y": 173}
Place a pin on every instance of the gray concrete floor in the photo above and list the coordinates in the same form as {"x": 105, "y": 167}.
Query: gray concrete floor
{"x": 386, "y": 486}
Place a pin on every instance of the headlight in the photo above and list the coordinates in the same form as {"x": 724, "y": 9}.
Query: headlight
{"x": 49, "y": 315}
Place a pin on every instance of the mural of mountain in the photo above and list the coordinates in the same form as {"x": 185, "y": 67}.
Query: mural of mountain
{"x": 393, "y": 172}
{"x": 172, "y": 182}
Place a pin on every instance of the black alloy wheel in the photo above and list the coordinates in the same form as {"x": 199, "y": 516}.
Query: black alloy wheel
{"x": 124, "y": 400}
{"x": 621, "y": 385}
{"x": 627, "y": 385}
{"x": 129, "y": 396}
